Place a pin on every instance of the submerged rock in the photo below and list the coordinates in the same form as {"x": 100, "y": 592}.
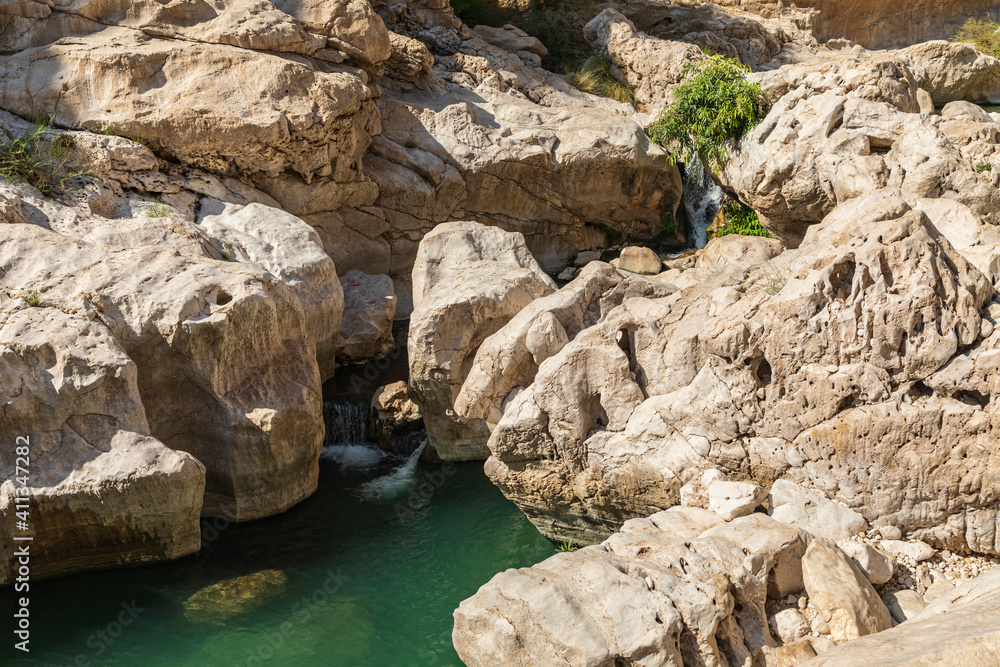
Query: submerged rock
{"x": 225, "y": 599}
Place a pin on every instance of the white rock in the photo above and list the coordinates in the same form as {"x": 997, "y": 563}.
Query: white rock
{"x": 813, "y": 512}
{"x": 790, "y": 625}
{"x": 842, "y": 593}
{"x": 877, "y": 566}
{"x": 914, "y": 551}
{"x": 890, "y": 532}
{"x": 732, "y": 499}
{"x": 638, "y": 259}
{"x": 904, "y": 604}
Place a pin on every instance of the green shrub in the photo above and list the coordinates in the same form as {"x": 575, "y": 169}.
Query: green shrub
{"x": 32, "y": 298}
{"x": 983, "y": 166}
{"x": 595, "y": 77}
{"x": 157, "y": 210}
{"x": 668, "y": 222}
{"x": 566, "y": 547}
{"x": 714, "y": 104}
{"x": 984, "y": 34}
{"x": 109, "y": 130}
{"x": 742, "y": 220}
{"x": 24, "y": 160}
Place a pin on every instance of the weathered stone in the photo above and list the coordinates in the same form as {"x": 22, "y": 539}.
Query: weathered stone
{"x": 790, "y": 625}
{"x": 747, "y": 251}
{"x": 814, "y": 512}
{"x": 734, "y": 499}
{"x": 103, "y": 492}
{"x": 876, "y": 566}
{"x": 904, "y": 605}
{"x": 221, "y": 601}
{"x": 915, "y": 551}
{"x": 369, "y": 310}
{"x": 842, "y": 593}
{"x": 468, "y": 281}
{"x": 958, "y": 629}
{"x": 637, "y": 259}
{"x": 393, "y": 412}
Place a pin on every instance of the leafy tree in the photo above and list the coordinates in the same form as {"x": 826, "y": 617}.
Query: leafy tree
{"x": 742, "y": 220}
{"x": 714, "y": 104}
{"x": 984, "y": 34}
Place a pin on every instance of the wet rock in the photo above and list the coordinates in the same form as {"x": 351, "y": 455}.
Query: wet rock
{"x": 226, "y": 599}
{"x": 393, "y": 413}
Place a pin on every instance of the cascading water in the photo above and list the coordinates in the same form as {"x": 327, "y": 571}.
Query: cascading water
{"x": 701, "y": 200}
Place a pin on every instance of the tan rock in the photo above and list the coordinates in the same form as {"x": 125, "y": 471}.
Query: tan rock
{"x": 842, "y": 593}
{"x": 748, "y": 251}
{"x": 393, "y": 412}
{"x": 75, "y": 425}
{"x": 877, "y": 566}
{"x": 468, "y": 281}
{"x": 637, "y": 259}
{"x": 369, "y": 310}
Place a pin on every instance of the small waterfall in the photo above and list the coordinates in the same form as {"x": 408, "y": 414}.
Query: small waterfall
{"x": 346, "y": 422}
{"x": 390, "y": 486}
{"x": 701, "y": 200}
{"x": 346, "y": 443}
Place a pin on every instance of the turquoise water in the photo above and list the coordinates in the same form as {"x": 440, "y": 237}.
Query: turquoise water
{"x": 375, "y": 563}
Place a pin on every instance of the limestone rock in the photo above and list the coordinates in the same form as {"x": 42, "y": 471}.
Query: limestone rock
{"x": 748, "y": 251}
{"x": 73, "y": 411}
{"x": 369, "y": 310}
{"x": 695, "y": 492}
{"x": 914, "y": 551}
{"x": 511, "y": 38}
{"x": 221, "y": 601}
{"x": 842, "y": 593}
{"x": 958, "y": 629}
{"x": 609, "y": 430}
{"x": 468, "y": 281}
{"x": 393, "y": 412}
{"x": 814, "y": 512}
{"x": 637, "y": 259}
{"x": 790, "y": 625}
{"x": 226, "y": 369}
{"x": 652, "y": 67}
{"x": 890, "y": 532}
{"x": 734, "y": 499}
{"x": 876, "y": 566}
{"x": 904, "y": 605}
{"x": 508, "y": 360}
{"x": 290, "y": 250}
{"x": 671, "y": 589}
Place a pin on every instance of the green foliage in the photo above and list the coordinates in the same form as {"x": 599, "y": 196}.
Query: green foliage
{"x": 668, "y": 222}
{"x": 157, "y": 210}
{"x": 714, "y": 104}
{"x": 109, "y": 130}
{"x": 984, "y": 34}
{"x": 38, "y": 160}
{"x": 226, "y": 255}
{"x": 983, "y": 166}
{"x": 566, "y": 547}
{"x": 32, "y": 298}
{"x": 595, "y": 77}
{"x": 771, "y": 279}
{"x": 742, "y": 220}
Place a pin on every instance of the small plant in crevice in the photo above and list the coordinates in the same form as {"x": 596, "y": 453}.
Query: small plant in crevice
{"x": 772, "y": 280}
{"x": 714, "y": 105}
{"x": 38, "y": 158}
{"x": 595, "y": 77}
{"x": 566, "y": 547}
{"x": 669, "y": 223}
{"x": 109, "y": 130}
{"x": 32, "y": 298}
{"x": 742, "y": 220}
{"x": 157, "y": 210}
{"x": 984, "y": 34}
{"x": 227, "y": 254}
{"x": 983, "y": 167}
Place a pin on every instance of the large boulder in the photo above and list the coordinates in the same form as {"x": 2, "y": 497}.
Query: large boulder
{"x": 679, "y": 588}
{"x": 369, "y": 311}
{"x": 957, "y": 629}
{"x": 468, "y": 281}
{"x": 765, "y": 373}
{"x": 81, "y": 470}
{"x": 226, "y": 369}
